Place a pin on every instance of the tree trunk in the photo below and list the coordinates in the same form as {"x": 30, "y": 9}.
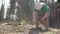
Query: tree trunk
{"x": 26, "y": 8}
{"x": 12, "y": 9}
{"x": 2, "y": 12}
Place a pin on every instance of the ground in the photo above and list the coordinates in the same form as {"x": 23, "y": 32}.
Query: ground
{"x": 6, "y": 28}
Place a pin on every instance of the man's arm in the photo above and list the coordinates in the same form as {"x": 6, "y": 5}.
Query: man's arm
{"x": 46, "y": 10}
{"x": 45, "y": 16}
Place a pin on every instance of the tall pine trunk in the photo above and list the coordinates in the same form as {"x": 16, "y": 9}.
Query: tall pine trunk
{"x": 12, "y": 9}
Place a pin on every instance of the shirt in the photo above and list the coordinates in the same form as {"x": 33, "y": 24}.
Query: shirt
{"x": 44, "y": 9}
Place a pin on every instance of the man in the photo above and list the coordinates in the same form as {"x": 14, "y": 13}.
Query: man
{"x": 42, "y": 11}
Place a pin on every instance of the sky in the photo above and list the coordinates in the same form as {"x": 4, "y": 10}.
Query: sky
{"x": 6, "y": 5}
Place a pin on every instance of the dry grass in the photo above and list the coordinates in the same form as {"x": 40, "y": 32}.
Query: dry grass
{"x": 10, "y": 29}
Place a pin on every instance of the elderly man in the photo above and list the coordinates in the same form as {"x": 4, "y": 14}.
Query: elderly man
{"x": 41, "y": 13}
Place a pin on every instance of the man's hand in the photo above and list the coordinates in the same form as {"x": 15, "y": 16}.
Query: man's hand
{"x": 43, "y": 18}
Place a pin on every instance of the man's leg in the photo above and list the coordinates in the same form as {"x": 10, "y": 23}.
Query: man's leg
{"x": 38, "y": 21}
{"x": 47, "y": 24}
{"x": 37, "y": 24}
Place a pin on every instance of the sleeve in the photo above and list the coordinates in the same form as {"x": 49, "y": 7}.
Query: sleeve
{"x": 46, "y": 8}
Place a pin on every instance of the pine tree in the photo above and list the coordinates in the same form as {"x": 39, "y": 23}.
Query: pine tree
{"x": 2, "y": 12}
{"x": 12, "y": 8}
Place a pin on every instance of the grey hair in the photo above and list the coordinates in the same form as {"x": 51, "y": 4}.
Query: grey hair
{"x": 38, "y": 3}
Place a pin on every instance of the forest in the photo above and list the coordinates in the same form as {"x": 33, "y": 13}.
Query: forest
{"x": 20, "y": 14}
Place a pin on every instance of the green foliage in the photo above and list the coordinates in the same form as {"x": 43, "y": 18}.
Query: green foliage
{"x": 22, "y": 23}
{"x": 57, "y": 6}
